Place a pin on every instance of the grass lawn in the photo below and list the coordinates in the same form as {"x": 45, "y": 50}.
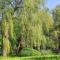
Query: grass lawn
{"x": 56, "y": 57}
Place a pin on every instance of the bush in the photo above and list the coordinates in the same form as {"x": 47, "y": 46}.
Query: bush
{"x": 28, "y": 52}
{"x": 46, "y": 52}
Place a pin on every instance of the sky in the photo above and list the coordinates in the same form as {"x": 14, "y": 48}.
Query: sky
{"x": 52, "y": 3}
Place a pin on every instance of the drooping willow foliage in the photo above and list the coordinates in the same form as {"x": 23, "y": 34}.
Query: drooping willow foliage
{"x": 33, "y": 22}
{"x": 5, "y": 36}
{"x": 7, "y": 31}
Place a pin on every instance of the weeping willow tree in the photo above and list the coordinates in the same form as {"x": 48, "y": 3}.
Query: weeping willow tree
{"x": 7, "y": 25}
{"x": 31, "y": 22}
{"x": 7, "y": 31}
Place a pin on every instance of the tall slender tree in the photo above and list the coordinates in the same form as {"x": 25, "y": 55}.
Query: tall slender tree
{"x": 6, "y": 25}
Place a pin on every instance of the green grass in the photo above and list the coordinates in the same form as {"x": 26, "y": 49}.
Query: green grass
{"x": 52, "y": 57}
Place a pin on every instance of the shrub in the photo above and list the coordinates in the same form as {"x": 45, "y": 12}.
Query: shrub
{"x": 28, "y": 52}
{"x": 46, "y": 52}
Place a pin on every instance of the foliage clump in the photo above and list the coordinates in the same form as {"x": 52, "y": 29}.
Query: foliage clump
{"x": 29, "y": 52}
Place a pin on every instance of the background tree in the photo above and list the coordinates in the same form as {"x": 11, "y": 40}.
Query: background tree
{"x": 56, "y": 17}
{"x": 6, "y": 25}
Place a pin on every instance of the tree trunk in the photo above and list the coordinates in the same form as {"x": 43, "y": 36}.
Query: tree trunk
{"x": 6, "y": 45}
{"x": 21, "y": 43}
